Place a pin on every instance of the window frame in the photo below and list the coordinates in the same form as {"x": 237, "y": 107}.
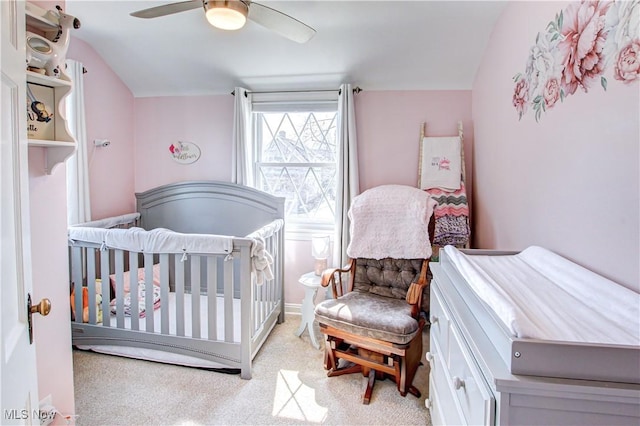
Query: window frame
{"x": 293, "y": 102}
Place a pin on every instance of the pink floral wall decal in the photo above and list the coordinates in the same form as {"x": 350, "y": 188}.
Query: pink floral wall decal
{"x": 575, "y": 50}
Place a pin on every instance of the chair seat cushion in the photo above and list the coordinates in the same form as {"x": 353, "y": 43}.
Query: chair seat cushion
{"x": 369, "y": 315}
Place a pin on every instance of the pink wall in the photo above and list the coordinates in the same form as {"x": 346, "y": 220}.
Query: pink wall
{"x": 204, "y": 120}
{"x": 388, "y": 126}
{"x": 569, "y": 182}
{"x": 109, "y": 115}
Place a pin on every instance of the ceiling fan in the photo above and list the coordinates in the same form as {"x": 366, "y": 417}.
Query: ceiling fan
{"x": 232, "y": 15}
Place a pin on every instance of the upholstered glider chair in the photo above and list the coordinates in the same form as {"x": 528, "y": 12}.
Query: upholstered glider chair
{"x": 373, "y": 324}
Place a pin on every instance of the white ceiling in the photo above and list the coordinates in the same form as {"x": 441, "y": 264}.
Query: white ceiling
{"x": 377, "y": 45}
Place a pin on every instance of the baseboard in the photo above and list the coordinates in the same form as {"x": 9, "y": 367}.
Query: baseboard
{"x": 293, "y": 308}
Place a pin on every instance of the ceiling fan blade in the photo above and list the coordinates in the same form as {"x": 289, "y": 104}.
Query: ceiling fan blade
{"x": 167, "y": 9}
{"x": 280, "y": 23}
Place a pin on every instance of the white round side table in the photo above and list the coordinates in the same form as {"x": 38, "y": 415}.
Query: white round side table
{"x": 311, "y": 282}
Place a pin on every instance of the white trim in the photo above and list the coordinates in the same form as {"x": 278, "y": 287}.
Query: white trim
{"x": 304, "y": 231}
{"x": 295, "y": 101}
{"x": 293, "y": 308}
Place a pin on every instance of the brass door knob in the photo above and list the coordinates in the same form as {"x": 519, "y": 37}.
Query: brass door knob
{"x": 43, "y": 308}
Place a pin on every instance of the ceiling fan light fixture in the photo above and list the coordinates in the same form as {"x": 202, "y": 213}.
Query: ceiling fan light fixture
{"x": 227, "y": 15}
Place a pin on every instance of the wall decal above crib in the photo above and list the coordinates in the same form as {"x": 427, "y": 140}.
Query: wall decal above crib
{"x": 185, "y": 152}
{"x": 580, "y": 44}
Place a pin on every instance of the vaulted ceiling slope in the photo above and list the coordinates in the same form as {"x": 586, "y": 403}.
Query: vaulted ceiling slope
{"x": 378, "y": 45}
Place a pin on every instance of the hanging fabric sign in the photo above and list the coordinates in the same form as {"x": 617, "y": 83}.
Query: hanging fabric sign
{"x": 184, "y": 152}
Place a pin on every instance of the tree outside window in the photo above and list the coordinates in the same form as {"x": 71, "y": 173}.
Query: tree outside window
{"x": 297, "y": 159}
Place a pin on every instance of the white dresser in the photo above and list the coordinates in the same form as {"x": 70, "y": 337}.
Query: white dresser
{"x": 470, "y": 382}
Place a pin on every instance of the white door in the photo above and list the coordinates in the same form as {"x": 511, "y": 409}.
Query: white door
{"x": 17, "y": 362}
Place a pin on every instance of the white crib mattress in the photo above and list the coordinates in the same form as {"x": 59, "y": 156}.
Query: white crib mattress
{"x": 540, "y": 295}
{"x": 172, "y": 358}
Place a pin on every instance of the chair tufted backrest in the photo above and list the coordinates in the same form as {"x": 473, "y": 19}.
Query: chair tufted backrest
{"x": 388, "y": 277}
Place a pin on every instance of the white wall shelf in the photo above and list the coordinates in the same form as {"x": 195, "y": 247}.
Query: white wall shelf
{"x": 45, "y": 80}
{"x": 63, "y": 144}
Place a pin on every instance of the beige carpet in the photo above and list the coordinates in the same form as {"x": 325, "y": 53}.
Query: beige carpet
{"x": 289, "y": 386}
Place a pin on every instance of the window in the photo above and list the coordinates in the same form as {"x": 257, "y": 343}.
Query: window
{"x": 296, "y": 158}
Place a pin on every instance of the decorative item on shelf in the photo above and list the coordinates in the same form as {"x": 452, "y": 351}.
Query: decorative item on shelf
{"x": 185, "y": 152}
{"x": 49, "y": 53}
{"x": 40, "y": 107}
{"x": 40, "y": 71}
{"x": 39, "y": 52}
{"x": 320, "y": 250}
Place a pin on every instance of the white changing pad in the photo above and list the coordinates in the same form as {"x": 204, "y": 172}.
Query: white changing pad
{"x": 540, "y": 295}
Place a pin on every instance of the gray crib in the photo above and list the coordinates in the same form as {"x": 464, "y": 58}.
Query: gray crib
{"x": 195, "y": 303}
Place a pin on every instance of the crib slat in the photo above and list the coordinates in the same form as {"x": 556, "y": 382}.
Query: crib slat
{"x": 91, "y": 284}
{"x": 119, "y": 265}
{"x": 228, "y": 300}
{"x": 265, "y": 298}
{"x": 257, "y": 311}
{"x": 148, "y": 295}
{"x": 279, "y": 284}
{"x": 255, "y": 305}
{"x": 77, "y": 282}
{"x": 106, "y": 288}
{"x": 246, "y": 298}
{"x": 134, "y": 291}
{"x": 212, "y": 299}
{"x": 164, "y": 293}
{"x": 273, "y": 247}
{"x": 195, "y": 297}
{"x": 277, "y": 277}
{"x": 259, "y": 293}
{"x": 179, "y": 283}
{"x": 265, "y": 292}
{"x": 277, "y": 271}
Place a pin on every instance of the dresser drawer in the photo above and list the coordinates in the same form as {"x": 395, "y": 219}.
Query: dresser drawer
{"x": 439, "y": 319}
{"x": 437, "y": 407}
{"x": 467, "y": 383}
{"x": 443, "y": 406}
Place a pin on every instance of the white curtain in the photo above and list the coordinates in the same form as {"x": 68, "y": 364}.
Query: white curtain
{"x": 78, "y": 202}
{"x": 348, "y": 182}
{"x": 242, "y": 153}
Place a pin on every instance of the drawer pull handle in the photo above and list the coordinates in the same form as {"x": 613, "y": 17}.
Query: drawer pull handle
{"x": 433, "y": 319}
{"x": 429, "y": 357}
{"x": 458, "y": 383}
{"x": 428, "y": 403}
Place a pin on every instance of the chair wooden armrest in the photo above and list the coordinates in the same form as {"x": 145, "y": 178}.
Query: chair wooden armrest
{"x": 414, "y": 293}
{"x": 329, "y": 277}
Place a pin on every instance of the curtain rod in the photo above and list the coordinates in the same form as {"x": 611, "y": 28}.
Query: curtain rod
{"x": 356, "y": 90}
